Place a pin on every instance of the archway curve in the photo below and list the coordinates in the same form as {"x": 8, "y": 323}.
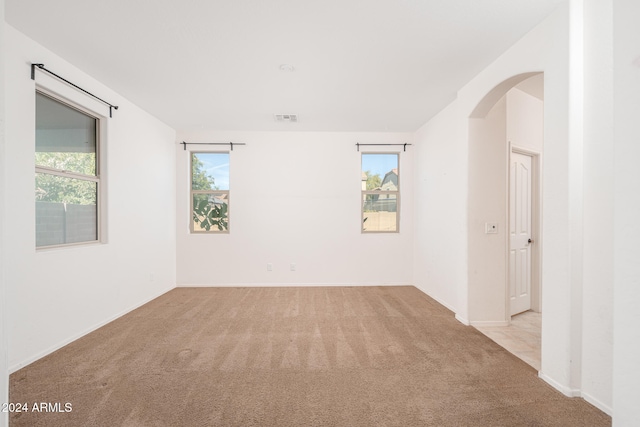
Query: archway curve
{"x": 493, "y": 96}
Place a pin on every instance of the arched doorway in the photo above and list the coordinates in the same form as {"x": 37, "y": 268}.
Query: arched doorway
{"x": 505, "y": 150}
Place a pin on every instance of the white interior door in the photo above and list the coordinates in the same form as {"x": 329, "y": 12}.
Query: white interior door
{"x": 520, "y": 236}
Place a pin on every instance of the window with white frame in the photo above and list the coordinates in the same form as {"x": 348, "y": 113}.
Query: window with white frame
{"x": 380, "y": 193}
{"x": 209, "y": 192}
{"x": 67, "y": 178}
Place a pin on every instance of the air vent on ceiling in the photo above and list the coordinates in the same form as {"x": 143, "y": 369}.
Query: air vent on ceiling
{"x": 286, "y": 118}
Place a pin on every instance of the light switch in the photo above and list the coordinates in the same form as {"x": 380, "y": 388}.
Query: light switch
{"x": 491, "y": 228}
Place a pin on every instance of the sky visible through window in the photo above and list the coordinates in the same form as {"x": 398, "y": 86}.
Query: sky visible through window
{"x": 379, "y": 164}
{"x": 216, "y": 165}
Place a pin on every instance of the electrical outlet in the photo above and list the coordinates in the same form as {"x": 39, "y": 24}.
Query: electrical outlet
{"x": 269, "y": 266}
{"x": 292, "y": 266}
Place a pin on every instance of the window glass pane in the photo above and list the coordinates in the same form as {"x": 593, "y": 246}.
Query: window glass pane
{"x": 65, "y": 137}
{"x": 379, "y": 212}
{"x": 380, "y": 172}
{"x": 210, "y": 212}
{"x": 65, "y": 210}
{"x": 210, "y": 171}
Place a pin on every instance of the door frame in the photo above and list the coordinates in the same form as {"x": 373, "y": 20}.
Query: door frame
{"x": 536, "y": 227}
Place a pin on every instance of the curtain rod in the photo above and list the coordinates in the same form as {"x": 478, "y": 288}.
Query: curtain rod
{"x": 231, "y": 144}
{"x": 403, "y": 145}
{"x": 41, "y": 67}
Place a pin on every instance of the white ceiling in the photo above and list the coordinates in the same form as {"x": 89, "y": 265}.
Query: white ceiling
{"x": 360, "y": 65}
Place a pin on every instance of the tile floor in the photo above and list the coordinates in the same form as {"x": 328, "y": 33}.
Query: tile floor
{"x": 522, "y": 337}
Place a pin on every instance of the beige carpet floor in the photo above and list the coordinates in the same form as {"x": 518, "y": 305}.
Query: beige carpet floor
{"x": 321, "y": 356}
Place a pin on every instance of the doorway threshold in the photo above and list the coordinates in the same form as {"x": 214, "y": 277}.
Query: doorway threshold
{"x": 522, "y": 338}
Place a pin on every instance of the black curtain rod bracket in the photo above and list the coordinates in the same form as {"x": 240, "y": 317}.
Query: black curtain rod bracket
{"x": 402, "y": 145}
{"x": 41, "y": 67}
{"x": 230, "y": 144}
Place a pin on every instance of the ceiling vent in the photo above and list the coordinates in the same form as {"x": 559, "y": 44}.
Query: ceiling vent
{"x": 286, "y": 118}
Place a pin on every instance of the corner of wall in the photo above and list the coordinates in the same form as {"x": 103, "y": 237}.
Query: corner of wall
{"x": 463, "y": 320}
{"x": 440, "y": 180}
{"x": 626, "y": 269}
{"x": 51, "y": 302}
{"x": 4, "y": 370}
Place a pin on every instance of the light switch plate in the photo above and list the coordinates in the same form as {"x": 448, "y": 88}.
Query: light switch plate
{"x": 491, "y": 228}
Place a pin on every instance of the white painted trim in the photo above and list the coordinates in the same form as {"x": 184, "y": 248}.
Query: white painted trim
{"x": 489, "y": 323}
{"x": 569, "y": 392}
{"x": 58, "y": 346}
{"x": 438, "y": 300}
{"x": 287, "y": 285}
{"x": 462, "y": 320}
{"x": 598, "y": 404}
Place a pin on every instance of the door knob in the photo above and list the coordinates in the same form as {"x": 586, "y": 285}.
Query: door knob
{"x": 530, "y": 241}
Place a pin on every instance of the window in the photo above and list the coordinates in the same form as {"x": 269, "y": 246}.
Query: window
{"x": 380, "y": 193}
{"x": 67, "y": 174}
{"x": 210, "y": 192}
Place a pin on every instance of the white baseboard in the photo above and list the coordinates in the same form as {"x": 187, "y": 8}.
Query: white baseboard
{"x": 462, "y": 320}
{"x": 489, "y": 323}
{"x": 438, "y": 300}
{"x": 284, "y": 285}
{"x": 598, "y": 404}
{"x": 40, "y": 355}
{"x": 567, "y": 391}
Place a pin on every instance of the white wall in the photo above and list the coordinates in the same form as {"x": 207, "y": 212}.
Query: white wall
{"x": 540, "y": 50}
{"x": 295, "y": 198}
{"x": 626, "y": 269}
{"x": 516, "y": 118}
{"x": 575, "y": 193}
{"x": 598, "y": 170}
{"x": 487, "y": 203}
{"x": 57, "y": 295}
{"x": 4, "y": 364}
{"x": 525, "y": 117}
{"x": 578, "y": 170}
{"x": 275, "y": 217}
{"x": 546, "y": 49}
{"x": 440, "y": 250}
